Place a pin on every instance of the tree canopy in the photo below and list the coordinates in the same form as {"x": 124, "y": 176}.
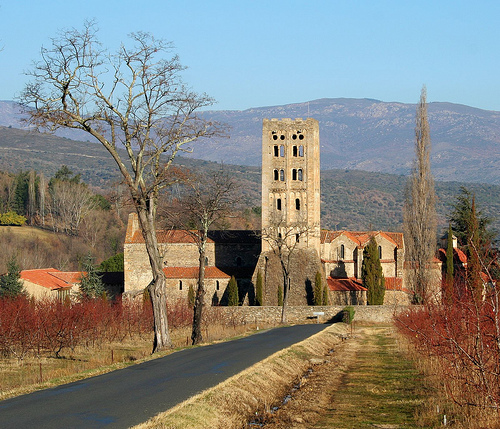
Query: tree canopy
{"x": 371, "y": 274}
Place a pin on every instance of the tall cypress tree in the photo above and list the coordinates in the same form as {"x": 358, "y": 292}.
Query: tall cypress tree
{"x": 259, "y": 300}
{"x": 232, "y": 298}
{"x": 448, "y": 280}
{"x": 318, "y": 293}
{"x": 371, "y": 274}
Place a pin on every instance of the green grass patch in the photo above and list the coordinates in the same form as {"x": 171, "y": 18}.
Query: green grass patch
{"x": 382, "y": 389}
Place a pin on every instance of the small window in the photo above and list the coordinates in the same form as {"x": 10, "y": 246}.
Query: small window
{"x": 342, "y": 251}
{"x": 294, "y": 149}
{"x": 300, "y": 176}
{"x": 278, "y": 203}
{"x": 380, "y": 252}
{"x": 301, "y": 136}
{"x": 294, "y": 174}
{"x": 276, "y": 175}
{"x": 282, "y": 151}
{"x": 297, "y": 237}
{"x": 206, "y": 260}
{"x": 239, "y": 262}
{"x": 282, "y": 137}
{"x": 276, "y": 150}
{"x": 282, "y": 175}
{"x": 217, "y": 285}
{"x": 180, "y": 284}
{"x": 301, "y": 149}
{"x": 275, "y": 137}
{"x": 297, "y": 204}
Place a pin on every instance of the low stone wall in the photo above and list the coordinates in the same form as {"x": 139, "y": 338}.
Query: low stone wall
{"x": 304, "y": 314}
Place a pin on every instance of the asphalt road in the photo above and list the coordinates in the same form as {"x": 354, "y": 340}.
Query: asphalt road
{"x": 129, "y": 396}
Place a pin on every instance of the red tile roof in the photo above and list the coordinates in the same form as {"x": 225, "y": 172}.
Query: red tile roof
{"x": 361, "y": 238}
{"x": 51, "y": 278}
{"x": 192, "y": 273}
{"x": 343, "y": 284}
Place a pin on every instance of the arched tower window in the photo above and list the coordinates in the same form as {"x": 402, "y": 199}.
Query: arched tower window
{"x": 295, "y": 150}
{"x": 301, "y": 150}
{"x": 297, "y": 204}
{"x": 294, "y": 174}
{"x": 300, "y": 175}
{"x": 342, "y": 251}
{"x": 380, "y": 252}
{"x": 276, "y": 150}
{"x": 282, "y": 150}
{"x": 282, "y": 175}
{"x": 276, "y": 175}
{"x": 278, "y": 204}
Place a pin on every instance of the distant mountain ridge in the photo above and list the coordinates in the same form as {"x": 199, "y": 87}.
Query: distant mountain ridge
{"x": 358, "y": 134}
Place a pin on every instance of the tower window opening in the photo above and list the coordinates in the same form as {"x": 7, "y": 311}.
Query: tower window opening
{"x": 282, "y": 175}
{"x": 276, "y": 150}
{"x": 297, "y": 237}
{"x": 282, "y": 151}
{"x": 282, "y": 137}
{"x": 342, "y": 251}
{"x": 294, "y": 174}
{"x": 278, "y": 204}
{"x": 275, "y": 137}
{"x": 239, "y": 261}
{"x": 301, "y": 136}
{"x": 300, "y": 175}
{"x": 301, "y": 150}
{"x": 297, "y": 204}
{"x": 180, "y": 284}
{"x": 295, "y": 151}
{"x": 380, "y": 252}
{"x": 276, "y": 175}
{"x": 217, "y": 285}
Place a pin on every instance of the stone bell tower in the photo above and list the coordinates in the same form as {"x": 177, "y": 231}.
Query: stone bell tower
{"x": 291, "y": 180}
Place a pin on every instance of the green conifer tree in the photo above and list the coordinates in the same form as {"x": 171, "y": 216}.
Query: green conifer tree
{"x": 232, "y": 287}
{"x": 10, "y": 284}
{"x": 280, "y": 296}
{"x": 325, "y": 295}
{"x": 259, "y": 300}
{"x": 318, "y": 292}
{"x": 371, "y": 274}
{"x": 91, "y": 285}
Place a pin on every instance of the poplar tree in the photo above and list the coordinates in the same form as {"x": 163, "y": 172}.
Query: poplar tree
{"x": 371, "y": 274}
{"x": 419, "y": 211}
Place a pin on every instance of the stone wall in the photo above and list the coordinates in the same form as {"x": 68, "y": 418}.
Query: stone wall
{"x": 304, "y": 314}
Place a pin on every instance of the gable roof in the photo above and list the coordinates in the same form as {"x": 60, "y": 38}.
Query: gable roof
{"x": 51, "y": 278}
{"x": 361, "y": 238}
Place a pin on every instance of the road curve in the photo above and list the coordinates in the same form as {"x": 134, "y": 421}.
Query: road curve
{"x": 129, "y": 396}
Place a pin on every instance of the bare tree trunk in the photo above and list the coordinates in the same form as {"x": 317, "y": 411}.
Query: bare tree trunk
{"x": 199, "y": 301}
{"x": 157, "y": 287}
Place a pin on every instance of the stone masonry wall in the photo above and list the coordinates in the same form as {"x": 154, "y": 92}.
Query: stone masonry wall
{"x": 304, "y": 314}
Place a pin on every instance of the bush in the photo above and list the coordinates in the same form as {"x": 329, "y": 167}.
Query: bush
{"x": 348, "y": 314}
{"x": 12, "y": 218}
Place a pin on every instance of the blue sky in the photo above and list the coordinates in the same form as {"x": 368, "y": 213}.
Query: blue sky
{"x": 259, "y": 53}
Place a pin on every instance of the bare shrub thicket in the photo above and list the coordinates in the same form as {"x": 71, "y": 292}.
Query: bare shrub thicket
{"x": 462, "y": 340}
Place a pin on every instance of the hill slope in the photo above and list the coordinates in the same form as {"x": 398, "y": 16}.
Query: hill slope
{"x": 359, "y": 134}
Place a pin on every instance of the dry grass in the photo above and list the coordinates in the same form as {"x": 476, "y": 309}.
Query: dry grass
{"x": 21, "y": 377}
{"x": 231, "y": 403}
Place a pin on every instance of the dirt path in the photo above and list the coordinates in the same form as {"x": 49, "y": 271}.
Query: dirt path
{"x": 364, "y": 383}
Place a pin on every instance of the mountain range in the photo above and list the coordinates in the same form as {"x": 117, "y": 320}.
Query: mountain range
{"x": 356, "y": 134}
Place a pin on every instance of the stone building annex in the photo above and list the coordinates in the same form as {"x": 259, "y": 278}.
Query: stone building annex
{"x": 291, "y": 219}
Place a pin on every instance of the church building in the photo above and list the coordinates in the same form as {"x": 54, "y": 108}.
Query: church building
{"x": 291, "y": 225}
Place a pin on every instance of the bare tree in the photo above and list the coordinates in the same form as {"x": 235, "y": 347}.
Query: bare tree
{"x": 134, "y": 100}
{"x": 284, "y": 241}
{"x": 419, "y": 211}
{"x": 207, "y": 203}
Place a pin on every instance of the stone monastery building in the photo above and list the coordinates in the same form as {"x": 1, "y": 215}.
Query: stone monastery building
{"x": 291, "y": 221}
